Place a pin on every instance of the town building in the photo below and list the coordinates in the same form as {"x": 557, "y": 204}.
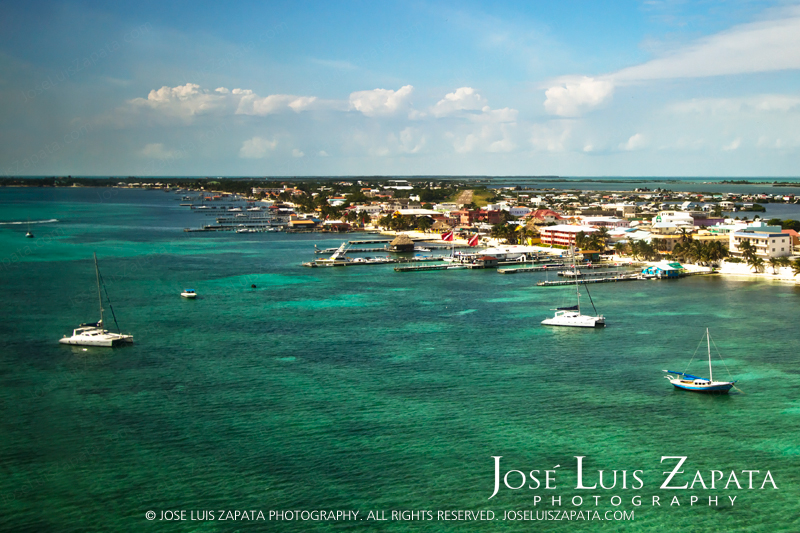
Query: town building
{"x": 767, "y": 241}
{"x": 563, "y": 234}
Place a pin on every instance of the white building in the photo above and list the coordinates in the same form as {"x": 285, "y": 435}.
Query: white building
{"x": 605, "y": 222}
{"x": 767, "y": 241}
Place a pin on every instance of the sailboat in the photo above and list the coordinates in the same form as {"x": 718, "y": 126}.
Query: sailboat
{"x": 697, "y": 384}
{"x": 571, "y": 316}
{"x": 29, "y": 235}
{"x": 93, "y": 334}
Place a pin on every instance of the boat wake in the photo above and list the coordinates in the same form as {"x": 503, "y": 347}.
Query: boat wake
{"x": 23, "y": 222}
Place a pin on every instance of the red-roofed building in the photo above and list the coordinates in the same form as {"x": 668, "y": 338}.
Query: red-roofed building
{"x": 545, "y": 215}
{"x": 795, "y": 236}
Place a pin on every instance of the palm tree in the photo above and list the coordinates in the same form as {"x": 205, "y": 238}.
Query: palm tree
{"x": 602, "y": 237}
{"x": 747, "y": 250}
{"x": 796, "y": 267}
{"x": 621, "y": 248}
{"x": 774, "y": 262}
{"x": 756, "y": 263}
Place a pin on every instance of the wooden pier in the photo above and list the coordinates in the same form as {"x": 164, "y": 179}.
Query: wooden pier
{"x": 627, "y": 277}
{"x": 426, "y": 268}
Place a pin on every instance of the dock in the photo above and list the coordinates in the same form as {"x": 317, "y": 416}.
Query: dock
{"x": 624, "y": 277}
{"x": 539, "y": 268}
{"x": 427, "y": 268}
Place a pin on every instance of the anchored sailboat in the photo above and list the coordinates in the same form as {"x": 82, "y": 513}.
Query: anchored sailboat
{"x": 698, "y": 384}
{"x": 571, "y": 316}
{"x": 93, "y": 334}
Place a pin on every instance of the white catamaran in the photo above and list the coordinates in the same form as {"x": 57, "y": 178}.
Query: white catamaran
{"x": 697, "y": 384}
{"x": 571, "y": 316}
{"x": 93, "y": 334}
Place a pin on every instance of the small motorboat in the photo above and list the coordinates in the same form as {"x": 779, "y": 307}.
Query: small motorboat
{"x": 189, "y": 293}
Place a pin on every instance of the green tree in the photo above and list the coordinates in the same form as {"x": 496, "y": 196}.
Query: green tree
{"x": 756, "y": 263}
{"x": 796, "y": 267}
{"x": 424, "y": 223}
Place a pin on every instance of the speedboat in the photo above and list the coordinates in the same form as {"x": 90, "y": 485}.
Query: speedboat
{"x": 189, "y": 293}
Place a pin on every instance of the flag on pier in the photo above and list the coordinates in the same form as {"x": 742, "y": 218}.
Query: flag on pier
{"x": 447, "y": 236}
{"x": 473, "y": 241}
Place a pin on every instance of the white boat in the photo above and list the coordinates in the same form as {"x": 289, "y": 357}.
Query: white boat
{"x": 571, "y": 316}
{"x": 697, "y": 384}
{"x": 337, "y": 259}
{"x": 95, "y": 334}
{"x": 189, "y": 293}
{"x": 29, "y": 235}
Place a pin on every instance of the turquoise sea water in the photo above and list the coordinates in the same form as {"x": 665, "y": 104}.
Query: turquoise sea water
{"x": 365, "y": 389}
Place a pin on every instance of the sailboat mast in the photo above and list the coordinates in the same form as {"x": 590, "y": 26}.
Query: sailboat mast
{"x": 708, "y": 341}
{"x": 99, "y": 295}
{"x": 575, "y": 273}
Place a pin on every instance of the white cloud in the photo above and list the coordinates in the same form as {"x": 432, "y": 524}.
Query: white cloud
{"x": 257, "y": 148}
{"x": 572, "y": 97}
{"x": 490, "y": 138}
{"x": 252, "y": 104}
{"x": 379, "y": 102}
{"x": 182, "y": 101}
{"x": 765, "y": 103}
{"x": 297, "y": 153}
{"x": 157, "y": 151}
{"x": 322, "y": 153}
{"x": 411, "y": 141}
{"x": 635, "y": 142}
{"x": 464, "y": 98}
{"x": 733, "y": 145}
{"x": 763, "y": 46}
{"x": 505, "y": 114}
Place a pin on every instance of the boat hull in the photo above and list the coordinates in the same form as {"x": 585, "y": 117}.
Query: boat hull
{"x": 574, "y": 320}
{"x": 99, "y": 340}
{"x": 716, "y": 387}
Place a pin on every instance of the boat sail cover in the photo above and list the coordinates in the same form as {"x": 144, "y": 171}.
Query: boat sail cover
{"x": 683, "y": 374}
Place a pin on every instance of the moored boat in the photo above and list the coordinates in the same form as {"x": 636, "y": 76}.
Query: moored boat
{"x": 692, "y": 383}
{"x": 94, "y": 334}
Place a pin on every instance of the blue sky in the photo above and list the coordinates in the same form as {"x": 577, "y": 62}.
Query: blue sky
{"x": 627, "y": 88}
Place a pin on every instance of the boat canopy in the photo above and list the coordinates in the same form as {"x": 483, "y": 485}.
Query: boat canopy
{"x": 683, "y": 374}
{"x": 91, "y": 325}
{"x": 571, "y": 308}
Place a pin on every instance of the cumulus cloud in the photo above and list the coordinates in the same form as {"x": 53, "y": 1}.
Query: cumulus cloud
{"x": 322, "y": 153}
{"x": 187, "y": 101}
{"x": 252, "y": 104}
{"x": 573, "y": 97}
{"x": 257, "y": 148}
{"x": 297, "y": 153}
{"x": 157, "y": 151}
{"x": 380, "y": 102}
{"x": 182, "y": 101}
{"x": 463, "y": 98}
{"x": 635, "y": 142}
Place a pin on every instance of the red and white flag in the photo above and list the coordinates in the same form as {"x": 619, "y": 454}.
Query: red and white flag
{"x": 447, "y": 236}
{"x": 473, "y": 241}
